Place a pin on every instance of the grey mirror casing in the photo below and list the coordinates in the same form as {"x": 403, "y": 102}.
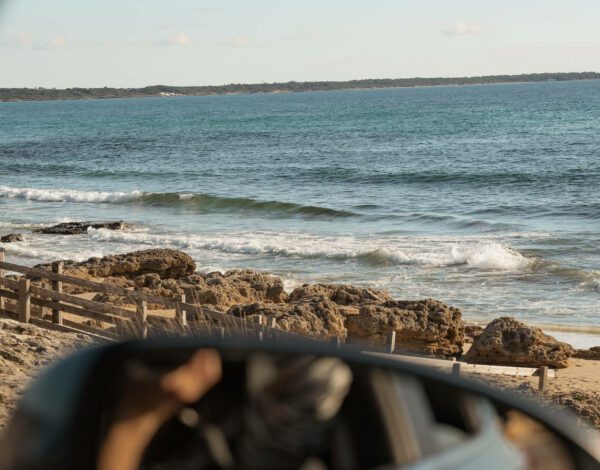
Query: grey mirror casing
{"x": 49, "y": 425}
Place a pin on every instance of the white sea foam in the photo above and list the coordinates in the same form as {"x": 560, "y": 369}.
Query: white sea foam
{"x": 45, "y": 253}
{"x": 484, "y": 256}
{"x": 68, "y": 195}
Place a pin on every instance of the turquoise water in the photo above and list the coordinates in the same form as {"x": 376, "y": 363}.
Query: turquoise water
{"x": 485, "y": 197}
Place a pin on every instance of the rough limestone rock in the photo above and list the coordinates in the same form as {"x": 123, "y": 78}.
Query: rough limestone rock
{"x": 318, "y": 317}
{"x": 78, "y": 228}
{"x": 318, "y": 310}
{"x": 473, "y": 331}
{"x": 427, "y": 326}
{"x": 340, "y": 294}
{"x": 239, "y": 286}
{"x": 592, "y": 353}
{"x": 167, "y": 264}
{"x": 506, "y": 341}
{"x": 11, "y": 238}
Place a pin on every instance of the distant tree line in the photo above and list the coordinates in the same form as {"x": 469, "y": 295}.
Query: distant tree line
{"x": 39, "y": 94}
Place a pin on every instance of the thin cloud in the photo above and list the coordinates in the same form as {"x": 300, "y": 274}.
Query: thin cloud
{"x": 207, "y": 10}
{"x": 57, "y": 42}
{"x": 463, "y": 29}
{"x": 27, "y": 41}
{"x": 304, "y": 36}
{"x": 237, "y": 41}
{"x": 179, "y": 39}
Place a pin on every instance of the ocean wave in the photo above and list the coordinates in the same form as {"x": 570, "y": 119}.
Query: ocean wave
{"x": 190, "y": 201}
{"x": 69, "y": 195}
{"x": 490, "y": 256}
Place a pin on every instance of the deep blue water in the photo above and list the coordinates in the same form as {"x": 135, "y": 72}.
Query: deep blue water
{"x": 485, "y": 197}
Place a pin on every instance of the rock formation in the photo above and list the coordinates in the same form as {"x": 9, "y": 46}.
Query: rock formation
{"x": 238, "y": 286}
{"x": 358, "y": 314}
{"x": 427, "y": 326}
{"x": 340, "y": 294}
{"x": 318, "y": 317}
{"x": 77, "y": 228}
{"x": 506, "y": 341}
{"x": 167, "y": 264}
{"x": 592, "y": 353}
{"x": 11, "y": 238}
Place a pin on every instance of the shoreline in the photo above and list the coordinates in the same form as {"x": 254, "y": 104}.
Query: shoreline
{"x": 425, "y": 327}
{"x": 15, "y": 95}
{"x": 578, "y": 336}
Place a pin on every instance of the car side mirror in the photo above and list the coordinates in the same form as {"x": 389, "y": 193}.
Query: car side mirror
{"x": 243, "y": 404}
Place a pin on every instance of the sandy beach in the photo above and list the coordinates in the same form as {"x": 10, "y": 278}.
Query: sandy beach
{"x": 26, "y": 349}
{"x": 356, "y": 315}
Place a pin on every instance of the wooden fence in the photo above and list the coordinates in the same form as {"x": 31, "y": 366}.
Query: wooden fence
{"x": 70, "y": 312}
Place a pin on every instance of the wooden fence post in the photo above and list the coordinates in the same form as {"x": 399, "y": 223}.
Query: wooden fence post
{"x": 260, "y": 319}
{"x": 142, "y": 318}
{"x": 391, "y": 342}
{"x": 456, "y": 368}
{"x": 338, "y": 342}
{"x": 1, "y": 275}
{"x": 57, "y": 286}
{"x": 181, "y": 313}
{"x": 543, "y": 373}
{"x": 24, "y": 300}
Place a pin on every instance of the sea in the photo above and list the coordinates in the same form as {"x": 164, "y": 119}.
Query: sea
{"x": 484, "y": 197}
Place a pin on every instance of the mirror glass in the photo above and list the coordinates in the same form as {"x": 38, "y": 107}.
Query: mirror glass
{"x": 203, "y": 408}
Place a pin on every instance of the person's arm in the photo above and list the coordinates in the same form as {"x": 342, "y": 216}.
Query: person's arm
{"x": 144, "y": 409}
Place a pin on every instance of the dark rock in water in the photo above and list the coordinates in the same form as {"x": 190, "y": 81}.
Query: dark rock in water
{"x": 592, "y": 353}
{"x": 506, "y": 341}
{"x": 423, "y": 326}
{"x": 12, "y": 238}
{"x": 77, "y": 228}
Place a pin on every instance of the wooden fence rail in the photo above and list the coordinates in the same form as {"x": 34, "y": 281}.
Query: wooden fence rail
{"x": 72, "y": 313}
{"x": 108, "y": 320}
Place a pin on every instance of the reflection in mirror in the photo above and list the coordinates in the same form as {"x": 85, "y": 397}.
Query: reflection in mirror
{"x": 208, "y": 409}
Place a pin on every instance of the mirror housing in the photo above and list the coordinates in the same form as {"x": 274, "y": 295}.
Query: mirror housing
{"x": 455, "y": 423}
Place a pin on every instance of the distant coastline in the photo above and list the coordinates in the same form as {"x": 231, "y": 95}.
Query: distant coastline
{"x": 45, "y": 94}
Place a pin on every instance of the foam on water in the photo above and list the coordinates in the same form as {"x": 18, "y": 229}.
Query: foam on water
{"x": 384, "y": 251}
{"x": 68, "y": 195}
{"x": 448, "y": 193}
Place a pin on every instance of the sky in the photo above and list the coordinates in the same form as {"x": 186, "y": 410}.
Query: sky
{"x": 134, "y": 43}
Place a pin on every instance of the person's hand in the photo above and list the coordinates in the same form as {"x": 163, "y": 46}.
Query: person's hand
{"x": 144, "y": 408}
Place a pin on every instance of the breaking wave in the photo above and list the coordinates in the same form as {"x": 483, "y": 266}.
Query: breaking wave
{"x": 194, "y": 201}
{"x": 484, "y": 256}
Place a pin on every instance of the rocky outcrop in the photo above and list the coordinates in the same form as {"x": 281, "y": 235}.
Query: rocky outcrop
{"x": 426, "y": 326}
{"x": 11, "y": 238}
{"x": 506, "y": 341}
{"x": 77, "y": 228}
{"x": 165, "y": 263}
{"x": 592, "y": 353}
{"x": 340, "y": 294}
{"x": 239, "y": 286}
{"x": 318, "y": 317}
{"x": 472, "y": 332}
{"x": 361, "y": 315}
